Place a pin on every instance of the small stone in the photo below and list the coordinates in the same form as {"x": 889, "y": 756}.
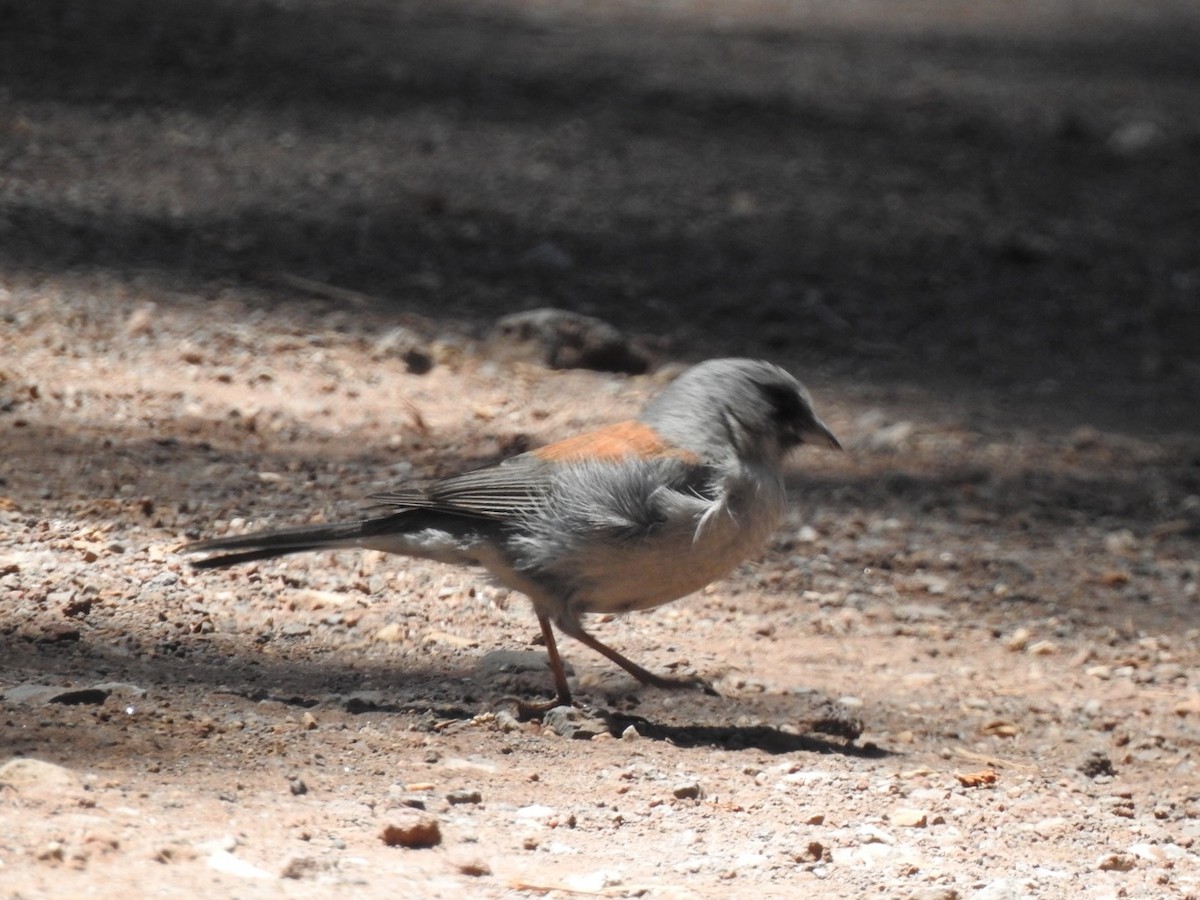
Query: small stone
{"x": 1018, "y": 640}
{"x": 455, "y": 798}
{"x": 297, "y": 787}
{"x": 687, "y": 790}
{"x": 569, "y": 722}
{"x": 52, "y": 852}
{"x": 1096, "y": 764}
{"x": 301, "y": 867}
{"x": 1049, "y": 826}
{"x": 909, "y": 818}
{"x": 141, "y": 320}
{"x": 562, "y": 339}
{"x": 1115, "y": 862}
{"x": 411, "y": 829}
{"x": 309, "y": 721}
{"x": 1042, "y": 648}
{"x": 391, "y": 633}
{"x": 474, "y": 868}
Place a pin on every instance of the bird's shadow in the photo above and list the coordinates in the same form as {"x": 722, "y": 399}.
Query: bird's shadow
{"x": 821, "y": 737}
{"x": 742, "y": 737}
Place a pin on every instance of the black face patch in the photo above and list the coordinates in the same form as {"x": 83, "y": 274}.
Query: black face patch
{"x": 786, "y": 404}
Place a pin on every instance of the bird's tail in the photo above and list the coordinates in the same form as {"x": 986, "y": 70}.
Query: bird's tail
{"x": 229, "y": 551}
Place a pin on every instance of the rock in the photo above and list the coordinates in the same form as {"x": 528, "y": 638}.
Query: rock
{"x": 302, "y": 867}
{"x": 535, "y": 812}
{"x": 473, "y": 868}
{"x": 412, "y": 829}
{"x": 562, "y": 339}
{"x": 687, "y": 790}
{"x": 1042, "y": 648}
{"x": 1096, "y": 764}
{"x": 1116, "y": 862}
{"x": 569, "y": 722}
{"x": 121, "y": 690}
{"x": 141, "y": 320}
{"x": 391, "y": 633}
{"x": 36, "y": 773}
{"x": 454, "y": 798}
{"x": 408, "y": 346}
{"x": 909, "y": 818}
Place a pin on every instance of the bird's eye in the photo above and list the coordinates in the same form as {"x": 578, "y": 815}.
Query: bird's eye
{"x": 784, "y": 400}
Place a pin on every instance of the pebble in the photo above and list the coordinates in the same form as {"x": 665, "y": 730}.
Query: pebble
{"x": 1115, "y": 862}
{"x": 562, "y": 339}
{"x": 391, "y": 633}
{"x": 473, "y": 868}
{"x": 412, "y": 829}
{"x": 687, "y": 790}
{"x": 909, "y": 818}
{"x": 301, "y": 867}
{"x": 462, "y": 796}
{"x": 569, "y": 722}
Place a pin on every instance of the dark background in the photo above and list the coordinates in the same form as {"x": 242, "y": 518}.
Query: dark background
{"x": 1007, "y": 199}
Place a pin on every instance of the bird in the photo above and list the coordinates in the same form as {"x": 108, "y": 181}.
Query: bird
{"x": 629, "y": 516}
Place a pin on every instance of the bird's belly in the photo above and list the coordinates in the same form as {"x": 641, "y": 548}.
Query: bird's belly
{"x": 666, "y": 566}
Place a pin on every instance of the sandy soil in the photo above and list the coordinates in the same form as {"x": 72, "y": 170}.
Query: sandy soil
{"x": 967, "y": 665}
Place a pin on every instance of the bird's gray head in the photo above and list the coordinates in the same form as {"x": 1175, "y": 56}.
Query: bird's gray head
{"x": 755, "y": 407}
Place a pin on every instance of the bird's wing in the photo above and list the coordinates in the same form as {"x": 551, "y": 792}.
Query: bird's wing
{"x": 514, "y": 487}
{"x": 519, "y": 485}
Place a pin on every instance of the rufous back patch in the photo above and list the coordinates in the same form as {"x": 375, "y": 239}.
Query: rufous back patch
{"x": 624, "y": 439}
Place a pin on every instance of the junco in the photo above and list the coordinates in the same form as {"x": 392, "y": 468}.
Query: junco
{"x": 629, "y": 516}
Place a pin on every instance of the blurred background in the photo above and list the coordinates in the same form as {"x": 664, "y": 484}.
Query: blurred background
{"x": 949, "y": 194}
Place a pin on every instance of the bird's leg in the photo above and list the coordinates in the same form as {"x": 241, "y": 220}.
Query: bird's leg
{"x": 562, "y": 692}
{"x": 645, "y": 676}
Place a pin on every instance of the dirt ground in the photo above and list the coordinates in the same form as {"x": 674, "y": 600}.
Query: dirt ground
{"x": 250, "y": 257}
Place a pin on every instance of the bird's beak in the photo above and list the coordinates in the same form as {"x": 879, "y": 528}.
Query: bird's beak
{"x": 817, "y": 432}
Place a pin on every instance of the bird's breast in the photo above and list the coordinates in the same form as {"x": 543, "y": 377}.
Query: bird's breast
{"x": 695, "y": 545}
